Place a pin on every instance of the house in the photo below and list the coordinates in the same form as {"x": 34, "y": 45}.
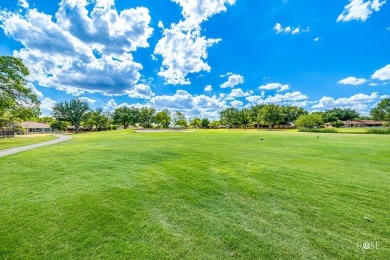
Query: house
{"x": 363, "y": 123}
{"x": 36, "y": 128}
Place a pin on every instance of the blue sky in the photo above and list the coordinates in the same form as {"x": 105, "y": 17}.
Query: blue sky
{"x": 201, "y": 56}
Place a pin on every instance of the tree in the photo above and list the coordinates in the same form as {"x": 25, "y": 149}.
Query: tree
{"x": 205, "y": 123}
{"x": 72, "y": 111}
{"x": 146, "y": 116}
{"x": 96, "y": 119}
{"x": 309, "y": 121}
{"x": 179, "y": 119}
{"x": 382, "y": 111}
{"x": 229, "y": 116}
{"x": 15, "y": 98}
{"x": 196, "y": 122}
{"x": 292, "y": 113}
{"x": 163, "y": 118}
{"x": 335, "y": 114}
{"x": 245, "y": 117}
{"x": 271, "y": 114}
{"x": 256, "y": 115}
{"x": 126, "y": 116}
{"x": 215, "y": 124}
{"x": 59, "y": 125}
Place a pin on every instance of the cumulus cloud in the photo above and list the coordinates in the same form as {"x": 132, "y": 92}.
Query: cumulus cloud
{"x": 236, "y": 103}
{"x": 208, "y": 88}
{"x": 233, "y": 80}
{"x": 110, "y": 105}
{"x": 141, "y": 91}
{"x": 353, "y": 81}
{"x": 34, "y": 90}
{"x": 88, "y": 100}
{"x": 289, "y": 99}
{"x": 190, "y": 105}
{"x": 81, "y": 50}
{"x": 359, "y": 102}
{"x": 237, "y": 93}
{"x": 360, "y": 10}
{"x": 182, "y": 47}
{"x": 278, "y": 28}
{"x": 47, "y": 105}
{"x": 23, "y": 3}
{"x": 382, "y": 74}
{"x": 272, "y": 86}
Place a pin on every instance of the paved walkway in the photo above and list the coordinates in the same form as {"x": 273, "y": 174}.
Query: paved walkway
{"x": 61, "y": 138}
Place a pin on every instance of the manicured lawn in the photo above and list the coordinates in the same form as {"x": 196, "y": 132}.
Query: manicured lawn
{"x": 24, "y": 140}
{"x": 203, "y": 195}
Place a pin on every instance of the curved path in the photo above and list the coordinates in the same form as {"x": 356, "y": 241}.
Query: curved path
{"x": 61, "y": 138}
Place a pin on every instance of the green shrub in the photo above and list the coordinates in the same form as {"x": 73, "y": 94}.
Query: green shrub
{"x": 386, "y": 124}
{"x": 378, "y": 131}
{"x": 319, "y": 130}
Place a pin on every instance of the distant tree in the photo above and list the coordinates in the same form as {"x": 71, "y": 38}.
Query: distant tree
{"x": 72, "y": 111}
{"x": 16, "y": 99}
{"x": 59, "y": 125}
{"x": 337, "y": 123}
{"x": 126, "y": 116}
{"x": 46, "y": 120}
{"x": 196, "y": 122}
{"x": 163, "y": 118}
{"x": 205, "y": 123}
{"x": 271, "y": 114}
{"x": 382, "y": 111}
{"x": 215, "y": 124}
{"x": 97, "y": 119}
{"x": 146, "y": 116}
{"x": 332, "y": 115}
{"x": 179, "y": 119}
{"x": 245, "y": 117}
{"x": 292, "y": 113}
{"x": 229, "y": 116}
{"x": 256, "y": 115}
{"x": 309, "y": 121}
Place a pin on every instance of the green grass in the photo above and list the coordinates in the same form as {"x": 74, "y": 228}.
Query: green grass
{"x": 203, "y": 195}
{"x": 23, "y": 140}
{"x": 319, "y": 130}
{"x": 380, "y": 131}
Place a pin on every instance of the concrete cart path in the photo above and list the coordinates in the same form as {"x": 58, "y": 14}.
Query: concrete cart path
{"x": 61, "y": 138}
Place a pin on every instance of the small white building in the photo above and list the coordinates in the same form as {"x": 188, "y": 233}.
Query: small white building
{"x": 36, "y": 128}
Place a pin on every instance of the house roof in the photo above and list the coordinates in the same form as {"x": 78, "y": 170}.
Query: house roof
{"x": 363, "y": 122}
{"x": 34, "y": 125}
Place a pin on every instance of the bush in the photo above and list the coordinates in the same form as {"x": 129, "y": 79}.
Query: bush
{"x": 319, "y": 130}
{"x": 378, "y": 131}
{"x": 386, "y": 124}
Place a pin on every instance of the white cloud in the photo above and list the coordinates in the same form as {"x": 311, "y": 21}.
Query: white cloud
{"x": 182, "y": 47}
{"x": 359, "y": 102}
{"x": 190, "y": 105}
{"x": 208, "y": 88}
{"x": 291, "y": 99}
{"x": 34, "y": 90}
{"x": 271, "y": 86}
{"x": 88, "y": 100}
{"x": 237, "y": 93}
{"x": 47, "y": 104}
{"x": 278, "y": 28}
{"x": 141, "y": 91}
{"x": 183, "y": 52}
{"x": 382, "y": 74}
{"x": 360, "y": 10}
{"x": 110, "y": 105}
{"x": 317, "y": 39}
{"x": 81, "y": 50}
{"x": 233, "y": 80}
{"x": 373, "y": 84}
{"x": 236, "y": 103}
{"x": 353, "y": 81}
{"x": 23, "y": 3}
